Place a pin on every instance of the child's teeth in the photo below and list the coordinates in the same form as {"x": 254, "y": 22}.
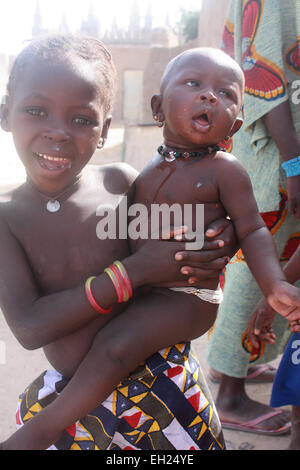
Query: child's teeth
{"x": 55, "y": 159}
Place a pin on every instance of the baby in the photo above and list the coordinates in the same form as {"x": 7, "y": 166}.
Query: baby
{"x": 199, "y": 104}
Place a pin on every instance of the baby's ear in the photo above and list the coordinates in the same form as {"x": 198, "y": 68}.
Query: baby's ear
{"x": 156, "y": 106}
{"x": 4, "y": 112}
{"x": 236, "y": 126}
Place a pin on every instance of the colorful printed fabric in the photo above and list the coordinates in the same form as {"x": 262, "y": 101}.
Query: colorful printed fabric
{"x": 286, "y": 385}
{"x": 228, "y": 350}
{"x": 164, "y": 405}
{"x": 264, "y": 37}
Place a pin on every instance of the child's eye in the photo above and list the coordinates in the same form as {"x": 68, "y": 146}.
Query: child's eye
{"x": 82, "y": 121}
{"x": 36, "y": 112}
{"x": 192, "y": 83}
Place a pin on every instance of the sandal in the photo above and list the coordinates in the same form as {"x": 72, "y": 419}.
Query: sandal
{"x": 252, "y": 425}
{"x": 257, "y": 376}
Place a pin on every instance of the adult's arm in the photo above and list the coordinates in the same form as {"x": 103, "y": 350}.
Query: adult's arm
{"x": 281, "y": 127}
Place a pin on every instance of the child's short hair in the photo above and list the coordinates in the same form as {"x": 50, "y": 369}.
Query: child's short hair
{"x": 60, "y": 47}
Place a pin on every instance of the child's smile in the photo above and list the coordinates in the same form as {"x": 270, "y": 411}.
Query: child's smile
{"x": 56, "y": 118}
{"x": 52, "y": 163}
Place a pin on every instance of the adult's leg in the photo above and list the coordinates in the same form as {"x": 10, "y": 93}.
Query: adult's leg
{"x": 295, "y": 438}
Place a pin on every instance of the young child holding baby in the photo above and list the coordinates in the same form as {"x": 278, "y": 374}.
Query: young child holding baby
{"x": 164, "y": 404}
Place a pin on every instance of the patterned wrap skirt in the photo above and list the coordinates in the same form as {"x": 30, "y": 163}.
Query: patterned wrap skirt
{"x": 164, "y": 405}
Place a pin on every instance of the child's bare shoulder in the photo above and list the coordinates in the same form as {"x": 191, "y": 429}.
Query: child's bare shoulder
{"x": 7, "y": 203}
{"x": 118, "y": 176}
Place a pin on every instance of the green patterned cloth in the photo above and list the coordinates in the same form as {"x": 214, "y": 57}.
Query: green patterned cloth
{"x": 274, "y": 29}
{"x": 264, "y": 37}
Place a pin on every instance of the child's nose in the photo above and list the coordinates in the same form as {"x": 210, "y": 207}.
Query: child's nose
{"x": 56, "y": 135}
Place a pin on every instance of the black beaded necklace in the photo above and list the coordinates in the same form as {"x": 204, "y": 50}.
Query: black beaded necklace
{"x": 171, "y": 155}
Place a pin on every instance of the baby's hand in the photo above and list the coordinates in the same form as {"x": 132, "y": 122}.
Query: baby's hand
{"x": 286, "y": 301}
{"x": 260, "y": 324}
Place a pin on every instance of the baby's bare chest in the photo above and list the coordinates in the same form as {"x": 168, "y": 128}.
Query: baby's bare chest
{"x": 185, "y": 184}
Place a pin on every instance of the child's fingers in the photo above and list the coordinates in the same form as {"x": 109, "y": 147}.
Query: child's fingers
{"x": 198, "y": 274}
{"x": 213, "y": 244}
{"x": 217, "y": 227}
{"x": 173, "y": 232}
{"x": 192, "y": 268}
{"x": 199, "y": 257}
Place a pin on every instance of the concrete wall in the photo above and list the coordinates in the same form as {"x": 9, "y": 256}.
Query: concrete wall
{"x": 4, "y": 61}
{"x": 211, "y": 22}
{"x": 151, "y": 61}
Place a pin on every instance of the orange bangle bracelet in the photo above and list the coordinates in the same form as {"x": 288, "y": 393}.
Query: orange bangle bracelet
{"x": 125, "y": 277}
{"x": 116, "y": 282}
{"x": 90, "y": 297}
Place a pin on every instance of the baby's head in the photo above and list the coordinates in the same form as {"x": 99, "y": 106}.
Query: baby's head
{"x": 200, "y": 98}
{"x": 59, "y": 96}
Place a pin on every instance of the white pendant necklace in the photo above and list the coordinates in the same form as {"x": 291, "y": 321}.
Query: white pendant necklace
{"x": 53, "y": 205}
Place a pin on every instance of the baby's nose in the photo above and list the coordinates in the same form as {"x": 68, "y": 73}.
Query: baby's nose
{"x": 208, "y": 95}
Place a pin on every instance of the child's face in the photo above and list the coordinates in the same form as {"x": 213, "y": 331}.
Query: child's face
{"x": 201, "y": 99}
{"x": 56, "y": 117}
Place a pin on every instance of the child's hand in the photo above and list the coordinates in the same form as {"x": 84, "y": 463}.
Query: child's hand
{"x": 157, "y": 262}
{"x": 219, "y": 246}
{"x": 260, "y": 324}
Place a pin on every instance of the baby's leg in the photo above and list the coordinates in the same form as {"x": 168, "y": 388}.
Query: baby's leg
{"x": 157, "y": 320}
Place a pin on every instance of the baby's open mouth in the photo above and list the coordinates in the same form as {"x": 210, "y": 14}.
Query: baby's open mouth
{"x": 203, "y": 119}
{"x": 52, "y": 163}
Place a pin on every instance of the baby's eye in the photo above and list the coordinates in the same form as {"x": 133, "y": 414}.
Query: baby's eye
{"x": 82, "y": 121}
{"x": 226, "y": 93}
{"x": 38, "y": 112}
{"x": 192, "y": 83}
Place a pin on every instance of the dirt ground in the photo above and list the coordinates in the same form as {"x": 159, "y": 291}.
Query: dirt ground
{"x": 19, "y": 367}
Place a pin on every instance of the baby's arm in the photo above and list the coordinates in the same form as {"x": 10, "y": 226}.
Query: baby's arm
{"x": 255, "y": 239}
{"x": 260, "y": 324}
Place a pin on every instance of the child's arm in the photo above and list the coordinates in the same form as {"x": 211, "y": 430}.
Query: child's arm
{"x": 256, "y": 242}
{"x": 37, "y": 319}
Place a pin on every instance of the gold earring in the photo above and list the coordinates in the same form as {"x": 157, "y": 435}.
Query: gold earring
{"x": 158, "y": 122}
{"x": 101, "y": 143}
